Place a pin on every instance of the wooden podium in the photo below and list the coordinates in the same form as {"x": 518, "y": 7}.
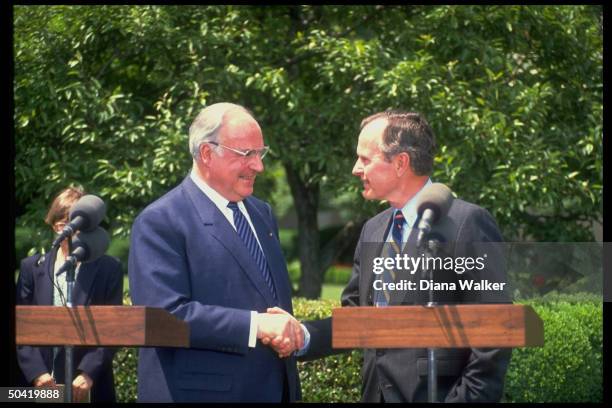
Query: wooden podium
{"x": 442, "y": 326}
{"x": 113, "y": 326}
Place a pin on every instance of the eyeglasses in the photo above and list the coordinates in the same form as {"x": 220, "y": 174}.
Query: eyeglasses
{"x": 59, "y": 225}
{"x": 247, "y": 154}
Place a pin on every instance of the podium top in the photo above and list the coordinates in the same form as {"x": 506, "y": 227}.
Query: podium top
{"x": 443, "y": 326}
{"x": 129, "y": 326}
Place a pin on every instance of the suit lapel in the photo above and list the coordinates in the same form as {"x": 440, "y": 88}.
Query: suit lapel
{"x": 84, "y": 284}
{"x": 273, "y": 256}
{"x": 373, "y": 248}
{"x": 217, "y": 226}
{"x": 44, "y": 274}
{"x": 399, "y": 297}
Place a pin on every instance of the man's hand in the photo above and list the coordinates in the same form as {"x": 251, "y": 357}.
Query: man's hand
{"x": 44, "y": 380}
{"x": 80, "y": 386}
{"x": 281, "y": 344}
{"x": 281, "y": 331}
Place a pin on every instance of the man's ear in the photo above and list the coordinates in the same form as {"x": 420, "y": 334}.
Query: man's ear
{"x": 205, "y": 153}
{"x": 401, "y": 163}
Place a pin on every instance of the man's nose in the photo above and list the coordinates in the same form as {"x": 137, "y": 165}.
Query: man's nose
{"x": 357, "y": 169}
{"x": 256, "y": 164}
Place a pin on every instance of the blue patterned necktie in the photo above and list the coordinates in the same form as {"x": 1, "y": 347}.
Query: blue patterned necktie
{"x": 393, "y": 248}
{"x": 246, "y": 234}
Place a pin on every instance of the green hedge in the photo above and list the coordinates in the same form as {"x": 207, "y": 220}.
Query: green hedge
{"x": 567, "y": 369}
{"x": 125, "y": 367}
{"x": 569, "y": 366}
{"x": 335, "y": 378}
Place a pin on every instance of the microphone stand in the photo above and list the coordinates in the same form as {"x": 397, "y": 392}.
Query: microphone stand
{"x": 431, "y": 250}
{"x": 70, "y": 272}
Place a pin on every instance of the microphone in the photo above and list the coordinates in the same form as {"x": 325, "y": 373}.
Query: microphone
{"x": 85, "y": 215}
{"x": 433, "y": 205}
{"x": 88, "y": 246}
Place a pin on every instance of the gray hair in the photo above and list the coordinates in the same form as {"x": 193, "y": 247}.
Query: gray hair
{"x": 407, "y": 132}
{"x": 205, "y": 127}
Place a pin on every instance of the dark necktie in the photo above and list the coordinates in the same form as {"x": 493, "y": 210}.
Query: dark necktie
{"x": 392, "y": 248}
{"x": 246, "y": 234}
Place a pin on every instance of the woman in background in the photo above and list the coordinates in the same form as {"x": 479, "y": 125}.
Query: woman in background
{"x": 99, "y": 282}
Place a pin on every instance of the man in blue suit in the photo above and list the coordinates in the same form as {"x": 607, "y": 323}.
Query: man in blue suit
{"x": 209, "y": 253}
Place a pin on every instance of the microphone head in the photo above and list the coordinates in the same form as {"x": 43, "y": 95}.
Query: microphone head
{"x": 436, "y": 197}
{"x": 90, "y": 245}
{"x": 91, "y": 209}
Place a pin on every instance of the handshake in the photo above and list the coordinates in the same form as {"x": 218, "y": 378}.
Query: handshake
{"x": 281, "y": 331}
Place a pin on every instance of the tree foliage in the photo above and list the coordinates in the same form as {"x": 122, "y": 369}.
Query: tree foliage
{"x": 104, "y": 96}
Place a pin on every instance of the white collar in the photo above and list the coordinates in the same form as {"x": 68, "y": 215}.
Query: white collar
{"x": 220, "y": 201}
{"x": 210, "y": 192}
{"x": 409, "y": 210}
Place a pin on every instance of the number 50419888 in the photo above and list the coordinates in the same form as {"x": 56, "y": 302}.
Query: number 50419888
{"x": 31, "y": 394}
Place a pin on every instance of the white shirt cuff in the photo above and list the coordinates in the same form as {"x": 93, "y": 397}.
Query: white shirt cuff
{"x": 304, "y": 349}
{"x": 253, "y": 329}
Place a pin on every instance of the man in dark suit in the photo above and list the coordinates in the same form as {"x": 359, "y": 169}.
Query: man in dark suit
{"x": 99, "y": 282}
{"x": 209, "y": 253}
{"x": 394, "y": 160}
